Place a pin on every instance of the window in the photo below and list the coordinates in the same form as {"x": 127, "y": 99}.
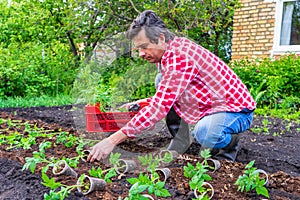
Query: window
{"x": 287, "y": 26}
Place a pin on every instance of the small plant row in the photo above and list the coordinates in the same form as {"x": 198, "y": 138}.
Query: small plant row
{"x": 148, "y": 182}
{"x": 151, "y": 181}
{"x": 23, "y": 135}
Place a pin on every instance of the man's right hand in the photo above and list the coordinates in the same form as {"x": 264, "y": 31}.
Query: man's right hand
{"x": 101, "y": 150}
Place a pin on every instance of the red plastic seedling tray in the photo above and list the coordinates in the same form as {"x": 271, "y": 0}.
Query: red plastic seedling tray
{"x": 97, "y": 121}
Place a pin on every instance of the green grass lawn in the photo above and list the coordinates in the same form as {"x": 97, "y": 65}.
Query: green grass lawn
{"x": 36, "y": 101}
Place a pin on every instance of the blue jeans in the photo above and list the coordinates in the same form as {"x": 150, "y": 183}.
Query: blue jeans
{"x": 214, "y": 131}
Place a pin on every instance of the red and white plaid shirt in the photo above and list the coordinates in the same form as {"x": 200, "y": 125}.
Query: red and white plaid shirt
{"x": 196, "y": 82}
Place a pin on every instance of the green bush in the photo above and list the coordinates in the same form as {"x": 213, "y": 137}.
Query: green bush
{"x": 123, "y": 80}
{"x": 137, "y": 82}
{"x": 33, "y": 70}
{"x": 86, "y": 83}
{"x": 271, "y": 81}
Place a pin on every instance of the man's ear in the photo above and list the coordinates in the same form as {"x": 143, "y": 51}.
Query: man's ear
{"x": 162, "y": 38}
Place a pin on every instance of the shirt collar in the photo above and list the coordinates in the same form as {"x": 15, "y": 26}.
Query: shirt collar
{"x": 167, "y": 51}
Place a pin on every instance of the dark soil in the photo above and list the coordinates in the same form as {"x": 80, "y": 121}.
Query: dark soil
{"x": 271, "y": 142}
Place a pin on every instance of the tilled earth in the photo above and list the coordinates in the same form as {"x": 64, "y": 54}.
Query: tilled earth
{"x": 271, "y": 142}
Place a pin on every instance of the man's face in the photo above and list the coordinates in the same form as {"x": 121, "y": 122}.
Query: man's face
{"x": 147, "y": 50}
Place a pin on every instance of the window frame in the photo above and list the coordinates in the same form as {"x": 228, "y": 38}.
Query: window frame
{"x": 277, "y": 48}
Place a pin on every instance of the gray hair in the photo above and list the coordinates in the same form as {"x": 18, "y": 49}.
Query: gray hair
{"x": 153, "y": 26}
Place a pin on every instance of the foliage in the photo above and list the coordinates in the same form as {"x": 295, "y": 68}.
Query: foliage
{"x": 209, "y": 23}
{"x": 145, "y": 182}
{"x": 24, "y": 71}
{"x": 53, "y": 185}
{"x": 279, "y": 113}
{"x": 152, "y": 162}
{"x": 150, "y": 182}
{"x": 198, "y": 174}
{"x": 111, "y": 84}
{"x": 251, "y": 180}
{"x": 18, "y": 140}
{"x": 108, "y": 173}
{"x": 272, "y": 83}
{"x": 67, "y": 139}
{"x": 34, "y": 61}
{"x": 205, "y": 154}
{"x": 136, "y": 82}
{"x": 40, "y": 157}
{"x": 103, "y": 174}
{"x": 43, "y": 43}
{"x": 86, "y": 83}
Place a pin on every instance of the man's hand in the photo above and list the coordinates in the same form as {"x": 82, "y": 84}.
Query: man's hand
{"x": 128, "y": 105}
{"x": 101, "y": 150}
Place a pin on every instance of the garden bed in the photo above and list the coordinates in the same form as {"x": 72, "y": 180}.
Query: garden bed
{"x": 271, "y": 142}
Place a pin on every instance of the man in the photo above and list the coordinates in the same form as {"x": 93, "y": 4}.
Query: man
{"x": 194, "y": 87}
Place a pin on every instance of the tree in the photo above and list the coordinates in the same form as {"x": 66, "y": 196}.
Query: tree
{"x": 53, "y": 38}
{"x": 207, "y": 22}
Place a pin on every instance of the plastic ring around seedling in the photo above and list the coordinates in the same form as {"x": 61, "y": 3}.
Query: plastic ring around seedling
{"x": 163, "y": 173}
{"x": 62, "y": 168}
{"x": 90, "y": 184}
{"x": 213, "y": 164}
{"x": 173, "y": 153}
{"x": 125, "y": 166}
{"x": 261, "y": 171}
{"x": 209, "y": 188}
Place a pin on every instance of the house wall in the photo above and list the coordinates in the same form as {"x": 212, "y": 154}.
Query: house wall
{"x": 253, "y": 30}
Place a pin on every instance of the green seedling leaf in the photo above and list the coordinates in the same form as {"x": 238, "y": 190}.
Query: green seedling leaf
{"x": 197, "y": 175}
{"x": 103, "y": 174}
{"x": 150, "y": 182}
{"x": 262, "y": 191}
{"x": 50, "y": 182}
{"x": 45, "y": 169}
{"x": 72, "y": 162}
{"x": 151, "y": 189}
{"x": 160, "y": 191}
{"x": 136, "y": 189}
{"x": 80, "y": 147}
{"x": 114, "y": 158}
{"x": 98, "y": 173}
{"x": 250, "y": 180}
{"x": 31, "y": 163}
{"x": 44, "y": 145}
{"x": 67, "y": 139}
{"x": 52, "y": 195}
{"x": 132, "y": 181}
{"x": 111, "y": 173}
{"x": 205, "y": 153}
{"x": 250, "y": 164}
{"x": 81, "y": 178}
{"x": 189, "y": 170}
{"x": 167, "y": 158}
